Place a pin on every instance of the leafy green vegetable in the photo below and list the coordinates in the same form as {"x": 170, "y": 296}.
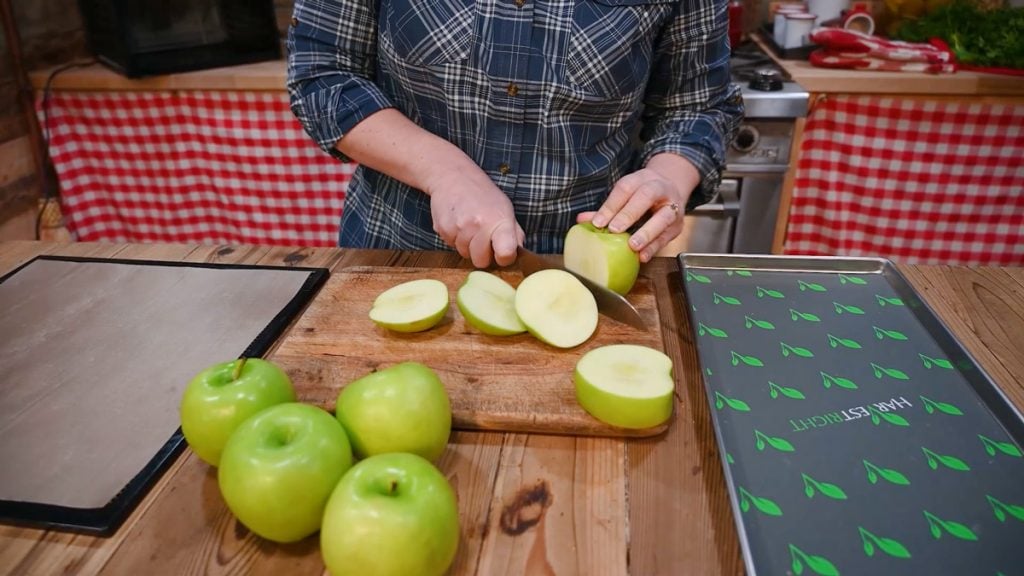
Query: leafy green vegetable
{"x": 977, "y": 36}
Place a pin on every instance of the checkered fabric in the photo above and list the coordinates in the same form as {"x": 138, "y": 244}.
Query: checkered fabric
{"x": 916, "y": 181}
{"x": 204, "y": 167}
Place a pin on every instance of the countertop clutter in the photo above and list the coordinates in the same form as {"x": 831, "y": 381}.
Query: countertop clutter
{"x": 533, "y": 503}
{"x": 270, "y": 76}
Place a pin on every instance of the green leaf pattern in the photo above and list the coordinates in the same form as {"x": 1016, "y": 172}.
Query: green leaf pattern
{"x": 762, "y": 324}
{"x": 762, "y": 441}
{"x": 721, "y": 401}
{"x": 938, "y": 526}
{"x": 817, "y": 564}
{"x": 888, "y": 545}
{"x": 1003, "y": 511}
{"x": 812, "y": 486}
{"x": 933, "y": 407}
{"x": 875, "y": 473}
{"x": 946, "y": 460}
{"x": 763, "y": 505}
{"x": 992, "y": 447}
{"x": 892, "y": 418}
{"x": 775, "y": 391}
{"x": 828, "y": 380}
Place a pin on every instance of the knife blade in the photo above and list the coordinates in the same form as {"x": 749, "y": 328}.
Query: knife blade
{"x": 610, "y": 303}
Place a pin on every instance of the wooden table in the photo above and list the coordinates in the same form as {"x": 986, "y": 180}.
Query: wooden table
{"x": 529, "y": 504}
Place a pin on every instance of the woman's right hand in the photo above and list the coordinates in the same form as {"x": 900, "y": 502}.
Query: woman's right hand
{"x": 475, "y": 217}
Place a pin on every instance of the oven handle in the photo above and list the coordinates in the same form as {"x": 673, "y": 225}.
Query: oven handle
{"x": 726, "y": 201}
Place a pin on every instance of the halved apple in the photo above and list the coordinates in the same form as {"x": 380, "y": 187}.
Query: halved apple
{"x": 488, "y": 304}
{"x": 411, "y": 306}
{"x": 556, "y": 308}
{"x": 602, "y": 256}
{"x": 625, "y": 385}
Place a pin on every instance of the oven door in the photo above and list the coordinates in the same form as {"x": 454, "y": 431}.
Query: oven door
{"x": 710, "y": 228}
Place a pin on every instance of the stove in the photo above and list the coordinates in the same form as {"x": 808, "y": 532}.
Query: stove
{"x": 742, "y": 218}
{"x": 768, "y": 91}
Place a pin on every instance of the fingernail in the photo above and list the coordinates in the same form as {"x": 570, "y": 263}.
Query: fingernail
{"x": 636, "y": 241}
{"x": 598, "y": 221}
{"x": 645, "y": 256}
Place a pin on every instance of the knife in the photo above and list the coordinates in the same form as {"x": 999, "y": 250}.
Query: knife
{"x": 610, "y": 303}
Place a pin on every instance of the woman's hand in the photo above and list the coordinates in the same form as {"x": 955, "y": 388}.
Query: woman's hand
{"x": 471, "y": 214}
{"x": 661, "y": 188}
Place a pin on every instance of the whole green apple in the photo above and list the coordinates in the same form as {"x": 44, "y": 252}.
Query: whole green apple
{"x": 602, "y": 256}
{"x": 391, "y": 515}
{"x": 222, "y": 396}
{"x": 402, "y": 408}
{"x": 279, "y": 468}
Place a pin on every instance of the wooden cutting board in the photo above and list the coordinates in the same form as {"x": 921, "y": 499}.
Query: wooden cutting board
{"x": 509, "y": 383}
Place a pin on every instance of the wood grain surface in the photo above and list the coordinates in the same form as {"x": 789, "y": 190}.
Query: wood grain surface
{"x": 500, "y": 383}
{"x": 528, "y": 503}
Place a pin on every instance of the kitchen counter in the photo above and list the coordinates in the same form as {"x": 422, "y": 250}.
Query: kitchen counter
{"x": 833, "y": 81}
{"x": 652, "y": 506}
{"x": 269, "y": 76}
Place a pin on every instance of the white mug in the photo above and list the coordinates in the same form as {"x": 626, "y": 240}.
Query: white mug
{"x": 779, "y": 25}
{"x": 827, "y": 10}
{"x": 798, "y": 27}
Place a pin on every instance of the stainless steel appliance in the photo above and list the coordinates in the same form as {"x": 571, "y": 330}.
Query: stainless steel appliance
{"x": 742, "y": 217}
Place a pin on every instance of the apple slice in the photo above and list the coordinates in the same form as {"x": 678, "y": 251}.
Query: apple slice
{"x": 625, "y": 385}
{"x": 602, "y": 256}
{"x": 411, "y": 306}
{"x": 488, "y": 304}
{"x": 556, "y": 308}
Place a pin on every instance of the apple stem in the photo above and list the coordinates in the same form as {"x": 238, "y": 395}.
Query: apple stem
{"x": 392, "y": 487}
{"x": 238, "y": 369}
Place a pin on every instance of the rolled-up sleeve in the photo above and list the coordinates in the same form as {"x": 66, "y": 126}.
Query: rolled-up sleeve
{"x": 691, "y": 107}
{"x": 332, "y": 54}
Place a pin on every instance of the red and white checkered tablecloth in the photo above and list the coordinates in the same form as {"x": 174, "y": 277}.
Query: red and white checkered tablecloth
{"x": 913, "y": 180}
{"x": 207, "y": 167}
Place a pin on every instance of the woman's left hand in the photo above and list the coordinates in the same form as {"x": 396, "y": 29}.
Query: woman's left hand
{"x": 661, "y": 188}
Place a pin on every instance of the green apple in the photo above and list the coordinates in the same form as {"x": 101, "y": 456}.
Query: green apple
{"x": 222, "y": 396}
{"x": 401, "y": 408}
{"x": 391, "y": 515}
{"x": 556, "y": 308}
{"x": 279, "y": 468}
{"x": 488, "y": 303}
{"x": 411, "y": 306}
{"x": 625, "y": 385}
{"x": 602, "y": 256}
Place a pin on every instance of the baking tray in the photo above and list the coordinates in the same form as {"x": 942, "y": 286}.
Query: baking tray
{"x": 96, "y": 353}
{"x": 857, "y": 435}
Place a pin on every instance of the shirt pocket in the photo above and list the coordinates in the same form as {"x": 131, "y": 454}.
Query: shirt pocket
{"x": 429, "y": 32}
{"x": 611, "y": 44}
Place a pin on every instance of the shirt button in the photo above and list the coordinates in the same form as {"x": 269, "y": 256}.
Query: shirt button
{"x": 295, "y": 21}
{"x": 513, "y": 89}
{"x": 504, "y": 168}
{"x": 520, "y": 3}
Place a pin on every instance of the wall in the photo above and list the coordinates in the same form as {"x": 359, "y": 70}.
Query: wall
{"x": 51, "y": 33}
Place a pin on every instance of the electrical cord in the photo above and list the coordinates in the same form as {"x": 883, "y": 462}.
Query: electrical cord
{"x": 48, "y": 186}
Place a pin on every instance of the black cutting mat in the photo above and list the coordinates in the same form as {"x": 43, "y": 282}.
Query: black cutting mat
{"x": 96, "y": 353}
{"x": 858, "y": 435}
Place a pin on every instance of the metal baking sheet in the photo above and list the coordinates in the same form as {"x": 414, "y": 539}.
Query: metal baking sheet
{"x": 857, "y": 434}
{"x": 95, "y": 354}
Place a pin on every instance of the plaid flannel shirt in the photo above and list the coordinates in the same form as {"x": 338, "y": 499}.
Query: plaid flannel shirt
{"x": 554, "y": 99}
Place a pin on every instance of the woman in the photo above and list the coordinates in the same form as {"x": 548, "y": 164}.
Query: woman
{"x": 487, "y": 124}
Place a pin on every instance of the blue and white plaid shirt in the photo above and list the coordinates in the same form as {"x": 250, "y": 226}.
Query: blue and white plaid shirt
{"x": 547, "y": 96}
